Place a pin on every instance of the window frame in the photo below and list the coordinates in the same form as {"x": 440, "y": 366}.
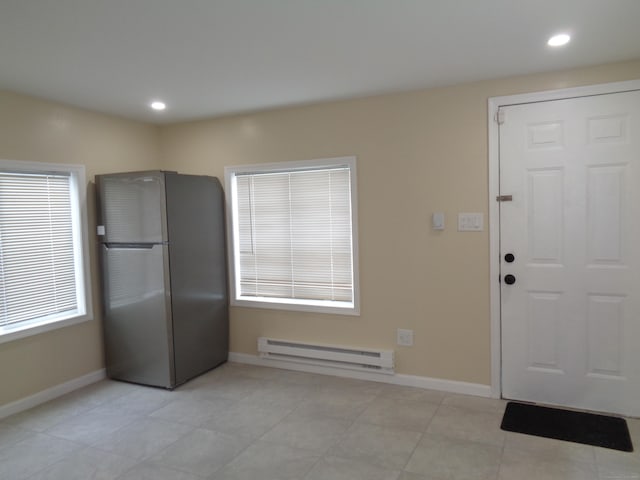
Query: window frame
{"x": 301, "y": 305}
{"x": 78, "y": 193}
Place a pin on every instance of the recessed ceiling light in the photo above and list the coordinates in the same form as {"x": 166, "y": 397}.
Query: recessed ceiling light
{"x": 157, "y": 105}
{"x": 559, "y": 40}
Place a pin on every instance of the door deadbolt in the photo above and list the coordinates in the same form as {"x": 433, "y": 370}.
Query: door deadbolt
{"x": 509, "y": 279}
{"x": 509, "y": 258}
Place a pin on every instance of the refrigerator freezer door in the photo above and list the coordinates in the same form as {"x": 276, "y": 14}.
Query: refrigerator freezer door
{"x": 137, "y": 318}
{"x": 132, "y": 207}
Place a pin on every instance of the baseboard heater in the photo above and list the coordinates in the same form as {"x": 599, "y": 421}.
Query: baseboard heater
{"x": 380, "y": 361}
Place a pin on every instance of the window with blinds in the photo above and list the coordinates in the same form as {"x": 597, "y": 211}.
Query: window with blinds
{"x": 41, "y": 261}
{"x": 293, "y": 242}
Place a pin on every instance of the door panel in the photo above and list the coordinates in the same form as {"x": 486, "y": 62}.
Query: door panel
{"x": 136, "y": 317}
{"x": 605, "y": 197}
{"x": 604, "y": 335}
{"x": 571, "y": 321}
{"x": 133, "y": 207}
{"x": 544, "y": 218}
{"x": 543, "y": 325}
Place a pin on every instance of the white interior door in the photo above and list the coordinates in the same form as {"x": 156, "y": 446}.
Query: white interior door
{"x": 571, "y": 321}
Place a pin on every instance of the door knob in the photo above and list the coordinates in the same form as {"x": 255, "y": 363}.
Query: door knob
{"x": 509, "y": 258}
{"x": 509, "y": 279}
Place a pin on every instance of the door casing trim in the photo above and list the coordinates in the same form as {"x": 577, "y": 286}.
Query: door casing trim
{"x": 494, "y": 103}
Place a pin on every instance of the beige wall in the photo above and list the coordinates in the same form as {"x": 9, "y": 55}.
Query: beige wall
{"x": 417, "y": 153}
{"x": 35, "y": 130}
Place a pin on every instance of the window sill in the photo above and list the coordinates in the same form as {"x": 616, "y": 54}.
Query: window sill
{"x": 10, "y": 334}
{"x": 316, "y": 306}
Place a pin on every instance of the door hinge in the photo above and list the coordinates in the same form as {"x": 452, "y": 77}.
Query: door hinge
{"x": 499, "y": 117}
{"x": 504, "y": 198}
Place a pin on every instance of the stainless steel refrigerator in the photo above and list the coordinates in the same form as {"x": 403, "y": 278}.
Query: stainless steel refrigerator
{"x": 164, "y": 278}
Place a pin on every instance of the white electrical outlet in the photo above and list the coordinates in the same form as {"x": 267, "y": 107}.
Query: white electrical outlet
{"x": 405, "y": 337}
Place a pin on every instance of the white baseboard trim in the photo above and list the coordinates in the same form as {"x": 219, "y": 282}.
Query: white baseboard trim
{"x": 51, "y": 393}
{"x": 451, "y": 386}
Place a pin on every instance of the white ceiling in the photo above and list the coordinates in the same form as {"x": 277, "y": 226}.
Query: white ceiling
{"x": 207, "y": 58}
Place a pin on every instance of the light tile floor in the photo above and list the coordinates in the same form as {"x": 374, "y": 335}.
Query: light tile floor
{"x": 245, "y": 422}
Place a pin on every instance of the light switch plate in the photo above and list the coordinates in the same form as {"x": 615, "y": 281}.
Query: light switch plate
{"x": 470, "y": 222}
{"x": 437, "y": 221}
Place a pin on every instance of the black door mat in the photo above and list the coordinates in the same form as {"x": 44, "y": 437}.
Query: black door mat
{"x": 577, "y": 427}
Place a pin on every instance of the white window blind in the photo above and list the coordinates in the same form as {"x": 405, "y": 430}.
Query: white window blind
{"x": 294, "y": 236}
{"x": 38, "y": 268}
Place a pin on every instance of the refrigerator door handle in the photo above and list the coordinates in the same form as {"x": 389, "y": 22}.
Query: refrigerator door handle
{"x": 139, "y": 246}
